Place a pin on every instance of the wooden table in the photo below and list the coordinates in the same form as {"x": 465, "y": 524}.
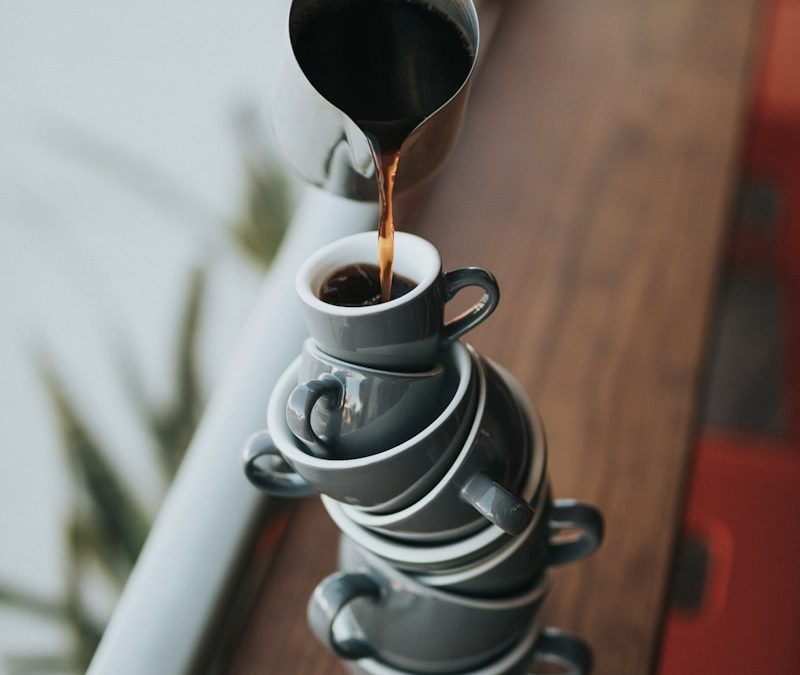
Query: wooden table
{"x": 594, "y": 178}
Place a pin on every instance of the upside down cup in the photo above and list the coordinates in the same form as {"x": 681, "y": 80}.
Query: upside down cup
{"x": 539, "y": 646}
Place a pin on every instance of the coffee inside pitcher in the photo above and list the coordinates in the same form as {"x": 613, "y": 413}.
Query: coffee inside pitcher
{"x": 387, "y": 64}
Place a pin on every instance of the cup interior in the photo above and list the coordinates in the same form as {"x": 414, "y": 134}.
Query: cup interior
{"x": 460, "y": 362}
{"x": 414, "y": 258}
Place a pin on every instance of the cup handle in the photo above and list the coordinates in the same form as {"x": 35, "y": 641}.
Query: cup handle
{"x": 301, "y": 404}
{"x": 572, "y": 514}
{"x": 500, "y": 507}
{"x": 454, "y": 281}
{"x": 328, "y": 600}
{"x": 562, "y": 649}
{"x": 269, "y": 479}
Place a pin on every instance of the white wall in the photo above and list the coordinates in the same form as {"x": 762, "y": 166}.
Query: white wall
{"x": 86, "y": 258}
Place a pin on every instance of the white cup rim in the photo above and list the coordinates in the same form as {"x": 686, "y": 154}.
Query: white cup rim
{"x": 423, "y": 555}
{"x": 536, "y": 591}
{"x": 415, "y": 258}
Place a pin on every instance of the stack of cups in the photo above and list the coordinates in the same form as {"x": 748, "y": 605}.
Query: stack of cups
{"x": 433, "y": 463}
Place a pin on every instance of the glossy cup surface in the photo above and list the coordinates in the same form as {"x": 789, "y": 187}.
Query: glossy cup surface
{"x": 435, "y": 558}
{"x": 498, "y": 447}
{"x": 397, "y": 624}
{"x": 365, "y": 410}
{"x": 395, "y": 477}
{"x": 405, "y": 333}
{"x": 570, "y": 652}
{"x": 522, "y": 559}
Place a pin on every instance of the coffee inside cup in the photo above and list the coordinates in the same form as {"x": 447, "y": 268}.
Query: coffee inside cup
{"x": 359, "y": 285}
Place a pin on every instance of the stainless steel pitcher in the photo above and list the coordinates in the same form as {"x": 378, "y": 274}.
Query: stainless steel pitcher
{"x": 327, "y": 147}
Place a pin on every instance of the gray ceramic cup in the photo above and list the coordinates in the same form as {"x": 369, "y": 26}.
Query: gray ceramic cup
{"x": 521, "y": 560}
{"x": 570, "y": 653}
{"x": 480, "y": 484}
{"x": 408, "y": 625}
{"x": 405, "y": 333}
{"x": 428, "y": 558}
{"x": 344, "y": 411}
{"x": 385, "y": 481}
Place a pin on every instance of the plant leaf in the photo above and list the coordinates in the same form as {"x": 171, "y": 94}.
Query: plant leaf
{"x": 267, "y": 208}
{"x": 31, "y": 603}
{"x": 38, "y": 664}
{"x": 86, "y": 632}
{"x": 120, "y": 520}
{"x": 174, "y": 425}
{"x": 261, "y": 227}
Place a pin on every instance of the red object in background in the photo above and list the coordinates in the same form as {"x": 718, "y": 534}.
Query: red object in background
{"x": 778, "y": 93}
{"x": 744, "y": 497}
{"x": 743, "y": 504}
{"x": 773, "y": 153}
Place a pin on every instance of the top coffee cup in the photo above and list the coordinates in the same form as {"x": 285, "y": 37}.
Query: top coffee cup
{"x": 406, "y": 332}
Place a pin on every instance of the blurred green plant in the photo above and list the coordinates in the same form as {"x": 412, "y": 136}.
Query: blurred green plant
{"x": 107, "y": 527}
{"x": 260, "y": 228}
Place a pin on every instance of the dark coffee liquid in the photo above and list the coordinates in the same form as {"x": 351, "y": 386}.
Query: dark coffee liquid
{"x": 387, "y": 64}
{"x": 359, "y": 285}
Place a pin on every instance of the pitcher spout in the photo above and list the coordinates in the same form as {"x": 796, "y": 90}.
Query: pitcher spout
{"x": 330, "y": 140}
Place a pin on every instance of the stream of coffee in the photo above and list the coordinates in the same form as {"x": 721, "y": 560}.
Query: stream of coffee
{"x": 387, "y": 64}
{"x": 386, "y": 170}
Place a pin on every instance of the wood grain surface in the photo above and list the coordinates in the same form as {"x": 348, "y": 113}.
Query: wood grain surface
{"x": 594, "y": 176}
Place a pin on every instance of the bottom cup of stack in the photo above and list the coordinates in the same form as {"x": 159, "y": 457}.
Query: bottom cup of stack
{"x": 405, "y": 624}
{"x": 570, "y": 653}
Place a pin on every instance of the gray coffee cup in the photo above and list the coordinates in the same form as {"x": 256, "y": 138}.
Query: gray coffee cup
{"x": 480, "y": 484}
{"x": 405, "y": 333}
{"x": 343, "y": 411}
{"x": 386, "y": 481}
{"x": 522, "y": 559}
{"x": 425, "y": 558}
{"x": 570, "y": 653}
{"x": 410, "y": 626}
